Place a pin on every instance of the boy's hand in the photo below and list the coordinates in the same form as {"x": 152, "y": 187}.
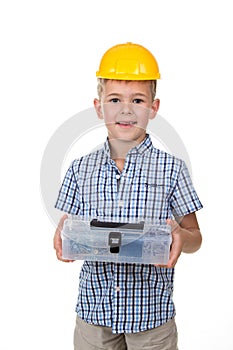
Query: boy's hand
{"x": 186, "y": 237}
{"x": 57, "y": 241}
{"x": 177, "y": 243}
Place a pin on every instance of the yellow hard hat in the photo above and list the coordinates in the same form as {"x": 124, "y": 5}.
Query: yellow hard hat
{"x": 128, "y": 62}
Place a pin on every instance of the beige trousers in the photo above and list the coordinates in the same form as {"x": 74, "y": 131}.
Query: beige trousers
{"x": 91, "y": 337}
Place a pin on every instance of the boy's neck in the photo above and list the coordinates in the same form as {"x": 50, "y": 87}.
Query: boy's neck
{"x": 119, "y": 150}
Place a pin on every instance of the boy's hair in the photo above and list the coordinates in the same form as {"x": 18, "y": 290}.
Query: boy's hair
{"x": 102, "y": 81}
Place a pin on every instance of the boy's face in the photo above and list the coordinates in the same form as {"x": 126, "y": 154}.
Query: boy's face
{"x": 126, "y": 107}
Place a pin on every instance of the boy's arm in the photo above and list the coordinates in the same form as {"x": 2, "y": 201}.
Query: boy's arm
{"x": 186, "y": 237}
{"x": 57, "y": 241}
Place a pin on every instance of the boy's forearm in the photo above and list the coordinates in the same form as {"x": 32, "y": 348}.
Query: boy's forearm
{"x": 192, "y": 239}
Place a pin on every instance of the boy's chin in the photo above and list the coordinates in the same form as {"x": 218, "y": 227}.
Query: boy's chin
{"x": 134, "y": 139}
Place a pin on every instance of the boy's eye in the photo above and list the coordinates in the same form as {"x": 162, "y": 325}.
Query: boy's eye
{"x": 137, "y": 100}
{"x": 115, "y": 100}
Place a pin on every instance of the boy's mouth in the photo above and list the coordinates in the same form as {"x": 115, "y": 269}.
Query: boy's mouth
{"x": 126, "y": 123}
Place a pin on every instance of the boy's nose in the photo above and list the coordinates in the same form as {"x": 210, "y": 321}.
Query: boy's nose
{"x": 126, "y": 109}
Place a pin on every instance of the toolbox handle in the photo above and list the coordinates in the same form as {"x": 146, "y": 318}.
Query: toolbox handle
{"x": 128, "y": 226}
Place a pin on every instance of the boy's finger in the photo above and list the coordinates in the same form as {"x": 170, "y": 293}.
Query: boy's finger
{"x": 57, "y": 235}
{"x": 61, "y": 222}
{"x": 172, "y": 262}
{"x": 174, "y": 225}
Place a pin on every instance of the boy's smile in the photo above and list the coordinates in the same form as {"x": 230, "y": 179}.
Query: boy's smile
{"x": 126, "y": 107}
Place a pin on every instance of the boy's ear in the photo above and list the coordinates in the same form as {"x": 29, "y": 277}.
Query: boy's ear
{"x": 98, "y": 108}
{"x": 154, "y": 108}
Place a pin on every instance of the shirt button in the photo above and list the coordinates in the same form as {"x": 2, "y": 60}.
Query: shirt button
{"x": 120, "y": 203}
{"x": 118, "y": 289}
{"x": 118, "y": 176}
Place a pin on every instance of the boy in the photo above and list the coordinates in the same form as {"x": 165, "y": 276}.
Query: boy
{"x": 129, "y": 306}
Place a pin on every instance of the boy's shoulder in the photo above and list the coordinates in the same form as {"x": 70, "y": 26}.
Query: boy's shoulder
{"x": 92, "y": 158}
{"x": 162, "y": 156}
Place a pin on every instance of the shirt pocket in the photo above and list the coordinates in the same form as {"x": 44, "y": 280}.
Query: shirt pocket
{"x": 156, "y": 200}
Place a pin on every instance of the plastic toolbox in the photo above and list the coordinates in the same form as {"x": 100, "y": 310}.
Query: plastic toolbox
{"x": 134, "y": 242}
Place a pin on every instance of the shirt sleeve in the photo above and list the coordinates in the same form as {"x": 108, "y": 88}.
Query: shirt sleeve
{"x": 184, "y": 198}
{"x": 69, "y": 197}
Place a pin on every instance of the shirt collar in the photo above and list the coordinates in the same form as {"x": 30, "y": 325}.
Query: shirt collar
{"x": 140, "y": 149}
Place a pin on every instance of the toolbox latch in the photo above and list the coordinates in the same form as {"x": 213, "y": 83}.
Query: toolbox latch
{"x": 114, "y": 241}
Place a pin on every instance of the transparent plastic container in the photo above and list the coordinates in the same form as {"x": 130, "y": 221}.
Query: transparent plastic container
{"x": 95, "y": 240}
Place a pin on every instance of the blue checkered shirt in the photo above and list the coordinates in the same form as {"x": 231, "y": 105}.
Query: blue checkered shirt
{"x": 152, "y": 186}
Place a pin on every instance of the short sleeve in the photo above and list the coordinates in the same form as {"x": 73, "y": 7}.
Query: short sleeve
{"x": 184, "y": 199}
{"x": 69, "y": 198}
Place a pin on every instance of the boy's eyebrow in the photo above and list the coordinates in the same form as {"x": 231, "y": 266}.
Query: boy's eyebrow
{"x": 139, "y": 94}
{"x": 134, "y": 94}
{"x": 113, "y": 94}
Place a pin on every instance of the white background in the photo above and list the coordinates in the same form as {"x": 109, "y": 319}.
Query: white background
{"x": 50, "y": 52}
